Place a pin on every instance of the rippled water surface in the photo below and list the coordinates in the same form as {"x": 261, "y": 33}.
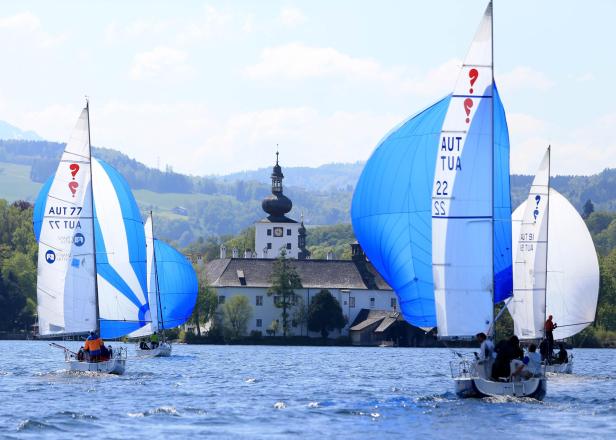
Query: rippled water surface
{"x": 283, "y": 392}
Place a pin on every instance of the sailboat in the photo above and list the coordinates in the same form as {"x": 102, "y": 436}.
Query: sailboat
{"x": 547, "y": 280}
{"x": 432, "y": 211}
{"x": 172, "y": 291}
{"x": 91, "y": 273}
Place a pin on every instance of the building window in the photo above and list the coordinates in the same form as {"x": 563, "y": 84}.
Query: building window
{"x": 269, "y": 232}
{"x": 277, "y": 300}
{"x": 289, "y": 246}
{"x": 288, "y": 232}
{"x": 221, "y": 299}
{"x": 259, "y": 323}
{"x": 269, "y": 245}
{"x": 351, "y": 301}
{"x": 371, "y": 302}
{"x": 259, "y": 300}
{"x": 393, "y": 303}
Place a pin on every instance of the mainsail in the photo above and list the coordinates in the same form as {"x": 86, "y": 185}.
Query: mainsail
{"x": 408, "y": 177}
{"x": 120, "y": 256}
{"x": 462, "y": 200}
{"x": 530, "y": 263}
{"x": 547, "y": 279}
{"x": 66, "y": 292}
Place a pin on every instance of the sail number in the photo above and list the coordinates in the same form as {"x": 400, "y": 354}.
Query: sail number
{"x": 64, "y": 224}
{"x": 441, "y": 188}
{"x": 65, "y": 210}
{"x": 439, "y": 208}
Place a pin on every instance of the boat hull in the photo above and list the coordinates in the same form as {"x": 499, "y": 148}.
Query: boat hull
{"x": 534, "y": 388}
{"x": 112, "y": 366}
{"x": 560, "y": 368}
{"x": 163, "y": 350}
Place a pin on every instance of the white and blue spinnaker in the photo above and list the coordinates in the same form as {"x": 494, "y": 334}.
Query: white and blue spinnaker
{"x": 120, "y": 258}
{"x": 435, "y": 194}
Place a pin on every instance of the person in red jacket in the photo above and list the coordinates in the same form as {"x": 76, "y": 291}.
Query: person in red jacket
{"x": 549, "y": 327}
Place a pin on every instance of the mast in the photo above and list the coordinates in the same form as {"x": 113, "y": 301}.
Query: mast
{"x": 547, "y": 244}
{"x": 492, "y": 150}
{"x": 161, "y": 322}
{"x": 98, "y": 325}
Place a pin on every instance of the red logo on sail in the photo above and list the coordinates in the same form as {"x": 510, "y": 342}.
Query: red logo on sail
{"x": 73, "y": 187}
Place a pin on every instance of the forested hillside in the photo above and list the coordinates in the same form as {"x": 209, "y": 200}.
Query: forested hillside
{"x": 189, "y": 207}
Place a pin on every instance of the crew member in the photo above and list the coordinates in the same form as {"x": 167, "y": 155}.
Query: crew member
{"x": 93, "y": 345}
{"x": 549, "y": 335}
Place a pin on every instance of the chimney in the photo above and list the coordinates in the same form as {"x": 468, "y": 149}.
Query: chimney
{"x": 235, "y": 253}
{"x": 247, "y": 253}
{"x": 223, "y": 251}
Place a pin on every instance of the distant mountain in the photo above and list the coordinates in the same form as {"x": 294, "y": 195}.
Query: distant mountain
{"x": 189, "y": 207}
{"x": 331, "y": 176}
{"x": 8, "y": 131}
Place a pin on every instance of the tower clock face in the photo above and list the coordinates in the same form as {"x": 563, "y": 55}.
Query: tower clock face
{"x": 278, "y": 232}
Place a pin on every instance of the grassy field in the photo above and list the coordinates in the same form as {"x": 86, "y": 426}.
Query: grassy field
{"x": 15, "y": 183}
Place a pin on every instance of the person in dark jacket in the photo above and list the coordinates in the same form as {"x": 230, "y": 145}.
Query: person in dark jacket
{"x": 506, "y": 351}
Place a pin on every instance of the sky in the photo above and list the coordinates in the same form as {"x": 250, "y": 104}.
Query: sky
{"x": 212, "y": 87}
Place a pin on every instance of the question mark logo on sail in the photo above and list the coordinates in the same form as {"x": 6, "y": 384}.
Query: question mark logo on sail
{"x": 536, "y": 211}
{"x": 473, "y": 74}
{"x": 468, "y": 105}
{"x": 73, "y": 187}
{"x": 74, "y": 169}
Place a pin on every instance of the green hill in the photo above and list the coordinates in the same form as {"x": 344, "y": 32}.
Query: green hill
{"x": 189, "y": 207}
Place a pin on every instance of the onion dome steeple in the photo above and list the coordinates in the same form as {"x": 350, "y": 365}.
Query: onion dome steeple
{"x": 277, "y": 204}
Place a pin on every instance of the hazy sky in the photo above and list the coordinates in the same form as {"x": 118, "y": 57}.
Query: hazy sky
{"x": 212, "y": 87}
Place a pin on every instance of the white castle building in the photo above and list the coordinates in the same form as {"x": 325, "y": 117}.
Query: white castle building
{"x": 354, "y": 283}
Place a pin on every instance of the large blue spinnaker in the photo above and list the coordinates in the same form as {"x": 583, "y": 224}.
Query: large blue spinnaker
{"x": 177, "y": 286}
{"x": 392, "y": 210}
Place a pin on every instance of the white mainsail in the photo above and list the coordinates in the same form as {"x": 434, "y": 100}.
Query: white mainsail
{"x": 462, "y": 197}
{"x": 530, "y": 257}
{"x": 570, "y": 277}
{"x": 66, "y": 290}
{"x": 153, "y": 296}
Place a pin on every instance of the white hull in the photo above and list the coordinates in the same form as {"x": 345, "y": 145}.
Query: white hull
{"x": 163, "y": 350}
{"x": 535, "y": 388}
{"x": 560, "y": 368}
{"x": 112, "y": 366}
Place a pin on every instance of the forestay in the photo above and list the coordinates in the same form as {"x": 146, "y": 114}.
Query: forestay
{"x": 66, "y": 297}
{"x": 572, "y": 271}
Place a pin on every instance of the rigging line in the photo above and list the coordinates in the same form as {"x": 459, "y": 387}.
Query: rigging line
{"x": 571, "y": 325}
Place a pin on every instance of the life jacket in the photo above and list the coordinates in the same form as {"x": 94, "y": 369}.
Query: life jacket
{"x": 93, "y": 344}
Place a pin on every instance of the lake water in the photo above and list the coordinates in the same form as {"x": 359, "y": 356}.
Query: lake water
{"x": 284, "y": 392}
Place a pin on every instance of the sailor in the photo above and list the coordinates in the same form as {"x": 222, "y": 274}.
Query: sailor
{"x": 506, "y": 351}
{"x": 154, "y": 340}
{"x": 485, "y": 359}
{"x": 562, "y": 357}
{"x": 143, "y": 345}
{"x": 81, "y": 354}
{"x": 532, "y": 360}
{"x": 549, "y": 328}
{"x": 93, "y": 345}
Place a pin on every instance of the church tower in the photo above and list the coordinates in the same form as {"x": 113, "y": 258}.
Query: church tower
{"x": 278, "y": 232}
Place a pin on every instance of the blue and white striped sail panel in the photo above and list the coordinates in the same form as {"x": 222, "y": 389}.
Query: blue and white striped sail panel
{"x": 66, "y": 298}
{"x": 391, "y": 211}
{"x": 120, "y": 254}
{"x": 177, "y": 285}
